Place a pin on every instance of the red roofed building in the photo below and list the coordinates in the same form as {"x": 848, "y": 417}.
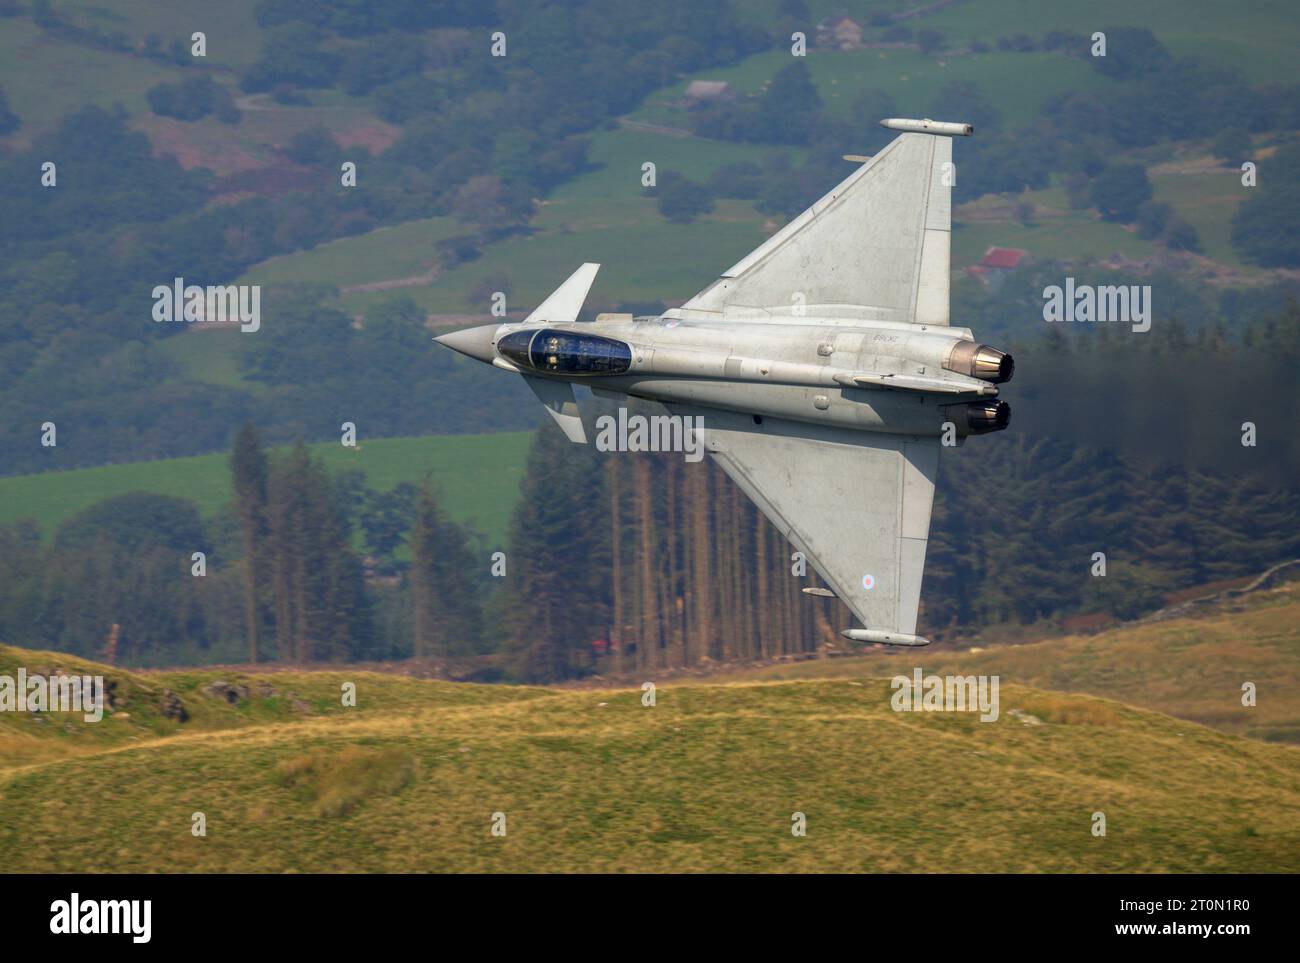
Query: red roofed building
{"x": 1007, "y": 258}
{"x": 996, "y": 264}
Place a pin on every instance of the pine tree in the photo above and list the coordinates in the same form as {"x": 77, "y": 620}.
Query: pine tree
{"x": 321, "y": 606}
{"x": 248, "y": 471}
{"x": 557, "y": 594}
{"x": 446, "y": 612}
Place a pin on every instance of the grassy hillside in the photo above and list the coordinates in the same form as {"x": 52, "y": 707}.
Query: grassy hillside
{"x": 1200, "y": 189}
{"x": 1260, "y": 44}
{"x": 601, "y": 215}
{"x": 227, "y": 25}
{"x": 1054, "y": 231}
{"x": 706, "y": 780}
{"x": 1190, "y": 668}
{"x": 912, "y": 78}
{"x": 384, "y": 254}
{"x": 45, "y": 78}
{"x": 478, "y": 476}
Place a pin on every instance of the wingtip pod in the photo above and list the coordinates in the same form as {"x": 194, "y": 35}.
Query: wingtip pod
{"x": 884, "y": 638}
{"x": 927, "y": 126}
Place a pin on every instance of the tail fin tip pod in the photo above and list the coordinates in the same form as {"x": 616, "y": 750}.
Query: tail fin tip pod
{"x": 928, "y": 126}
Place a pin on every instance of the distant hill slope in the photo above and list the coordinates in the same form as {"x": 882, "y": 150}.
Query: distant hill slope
{"x": 1192, "y": 668}
{"x": 706, "y": 780}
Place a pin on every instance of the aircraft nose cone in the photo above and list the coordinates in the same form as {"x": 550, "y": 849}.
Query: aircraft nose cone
{"x": 474, "y": 342}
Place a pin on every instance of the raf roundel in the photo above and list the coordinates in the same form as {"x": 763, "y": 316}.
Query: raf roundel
{"x": 868, "y": 582}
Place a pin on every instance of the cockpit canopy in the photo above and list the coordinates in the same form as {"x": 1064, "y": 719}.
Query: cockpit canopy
{"x": 566, "y": 352}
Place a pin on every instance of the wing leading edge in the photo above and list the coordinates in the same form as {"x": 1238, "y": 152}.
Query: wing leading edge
{"x": 856, "y": 504}
{"x": 878, "y": 242}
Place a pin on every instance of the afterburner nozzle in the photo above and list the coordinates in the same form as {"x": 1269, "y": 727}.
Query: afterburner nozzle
{"x": 986, "y": 416}
{"x": 980, "y": 361}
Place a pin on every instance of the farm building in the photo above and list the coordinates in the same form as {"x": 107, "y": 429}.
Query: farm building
{"x": 996, "y": 264}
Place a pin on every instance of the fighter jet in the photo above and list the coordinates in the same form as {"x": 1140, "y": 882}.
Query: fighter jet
{"x": 822, "y": 366}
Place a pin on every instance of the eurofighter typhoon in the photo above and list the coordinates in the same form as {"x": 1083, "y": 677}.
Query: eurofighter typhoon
{"x": 822, "y": 367}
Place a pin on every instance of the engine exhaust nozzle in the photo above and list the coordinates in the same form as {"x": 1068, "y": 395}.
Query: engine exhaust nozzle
{"x": 980, "y": 361}
{"x": 985, "y": 416}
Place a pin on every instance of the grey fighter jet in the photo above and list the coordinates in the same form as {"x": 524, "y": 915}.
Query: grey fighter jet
{"x": 822, "y": 367}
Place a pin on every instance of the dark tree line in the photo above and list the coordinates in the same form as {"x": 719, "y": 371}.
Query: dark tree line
{"x": 668, "y": 565}
{"x": 277, "y": 575}
{"x": 303, "y": 583}
{"x": 621, "y": 562}
{"x": 300, "y": 566}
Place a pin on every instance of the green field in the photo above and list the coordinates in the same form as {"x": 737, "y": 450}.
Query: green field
{"x": 478, "y": 477}
{"x": 619, "y": 155}
{"x": 230, "y": 27}
{"x": 45, "y": 79}
{"x": 643, "y": 256}
{"x": 402, "y": 250}
{"x": 600, "y": 216}
{"x": 706, "y": 780}
{"x": 913, "y": 79}
{"x": 209, "y": 357}
{"x": 1259, "y": 38}
{"x": 1055, "y": 231}
{"x": 1207, "y": 202}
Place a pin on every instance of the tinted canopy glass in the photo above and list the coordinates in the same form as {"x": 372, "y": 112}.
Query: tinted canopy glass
{"x": 514, "y": 347}
{"x": 564, "y": 352}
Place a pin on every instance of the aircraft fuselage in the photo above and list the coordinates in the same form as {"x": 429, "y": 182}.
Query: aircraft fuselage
{"x": 879, "y": 376}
